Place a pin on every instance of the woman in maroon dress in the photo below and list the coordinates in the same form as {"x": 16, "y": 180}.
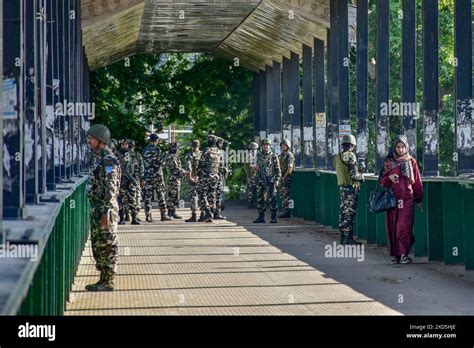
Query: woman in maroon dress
{"x": 400, "y": 173}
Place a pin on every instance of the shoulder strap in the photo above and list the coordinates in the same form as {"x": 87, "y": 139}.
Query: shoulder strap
{"x": 342, "y": 161}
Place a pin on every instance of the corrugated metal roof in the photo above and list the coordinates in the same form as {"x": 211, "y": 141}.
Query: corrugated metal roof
{"x": 257, "y": 32}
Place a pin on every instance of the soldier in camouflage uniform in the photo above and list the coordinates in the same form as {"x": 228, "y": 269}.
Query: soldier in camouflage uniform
{"x": 268, "y": 176}
{"x": 139, "y": 174}
{"x": 251, "y": 173}
{"x": 287, "y": 163}
{"x": 348, "y": 180}
{"x": 175, "y": 174}
{"x": 191, "y": 162}
{"x": 128, "y": 185}
{"x": 122, "y": 149}
{"x": 208, "y": 171}
{"x": 114, "y": 147}
{"x": 154, "y": 179}
{"x": 223, "y": 171}
{"x": 102, "y": 191}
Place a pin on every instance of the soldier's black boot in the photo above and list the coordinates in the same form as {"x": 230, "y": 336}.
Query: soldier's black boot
{"x": 201, "y": 217}
{"x": 273, "y": 219}
{"x": 170, "y": 214}
{"x": 261, "y": 217}
{"x": 285, "y": 215}
{"x": 105, "y": 283}
{"x": 207, "y": 216}
{"x": 92, "y": 287}
{"x": 218, "y": 216}
{"x": 193, "y": 218}
{"x": 348, "y": 240}
{"x": 134, "y": 219}
{"x": 122, "y": 218}
{"x": 165, "y": 217}
{"x": 149, "y": 218}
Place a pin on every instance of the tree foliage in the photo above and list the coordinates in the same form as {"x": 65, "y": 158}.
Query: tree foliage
{"x": 208, "y": 93}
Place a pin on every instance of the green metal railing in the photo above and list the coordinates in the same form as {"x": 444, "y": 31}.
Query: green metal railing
{"x": 444, "y": 231}
{"x": 53, "y": 279}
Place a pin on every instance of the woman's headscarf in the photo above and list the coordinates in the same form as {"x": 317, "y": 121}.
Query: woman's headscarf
{"x": 404, "y": 161}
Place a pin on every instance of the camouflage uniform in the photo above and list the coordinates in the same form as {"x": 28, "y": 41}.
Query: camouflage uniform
{"x": 286, "y": 160}
{"x": 191, "y": 162}
{"x": 220, "y": 188}
{"x": 223, "y": 171}
{"x": 268, "y": 175}
{"x": 139, "y": 174}
{"x": 349, "y": 180}
{"x": 128, "y": 186}
{"x": 175, "y": 173}
{"x": 251, "y": 175}
{"x": 102, "y": 191}
{"x": 208, "y": 170}
{"x": 154, "y": 179}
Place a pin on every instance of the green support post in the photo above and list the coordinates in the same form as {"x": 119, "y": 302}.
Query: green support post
{"x": 468, "y": 198}
{"x": 294, "y": 193}
{"x": 336, "y": 201}
{"x": 420, "y": 228}
{"x": 435, "y": 221}
{"x": 361, "y": 218}
{"x": 318, "y": 198}
{"x": 453, "y": 220}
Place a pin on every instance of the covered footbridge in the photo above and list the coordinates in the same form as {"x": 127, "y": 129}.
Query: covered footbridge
{"x": 305, "y": 56}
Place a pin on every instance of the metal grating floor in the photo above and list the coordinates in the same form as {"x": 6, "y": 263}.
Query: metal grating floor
{"x": 178, "y": 268}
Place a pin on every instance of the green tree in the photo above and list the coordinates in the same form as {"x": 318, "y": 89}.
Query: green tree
{"x": 208, "y": 93}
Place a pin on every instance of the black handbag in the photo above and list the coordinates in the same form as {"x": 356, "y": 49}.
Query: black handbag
{"x": 380, "y": 201}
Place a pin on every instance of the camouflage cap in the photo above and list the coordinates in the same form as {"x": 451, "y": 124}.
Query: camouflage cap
{"x": 195, "y": 143}
{"x": 266, "y": 141}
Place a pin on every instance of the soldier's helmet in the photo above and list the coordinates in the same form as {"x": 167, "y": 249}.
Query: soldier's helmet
{"x": 266, "y": 141}
{"x": 173, "y": 146}
{"x": 211, "y": 140}
{"x": 286, "y": 142}
{"x": 195, "y": 143}
{"x": 100, "y": 132}
{"x": 348, "y": 139}
{"x": 253, "y": 146}
{"x": 153, "y": 137}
